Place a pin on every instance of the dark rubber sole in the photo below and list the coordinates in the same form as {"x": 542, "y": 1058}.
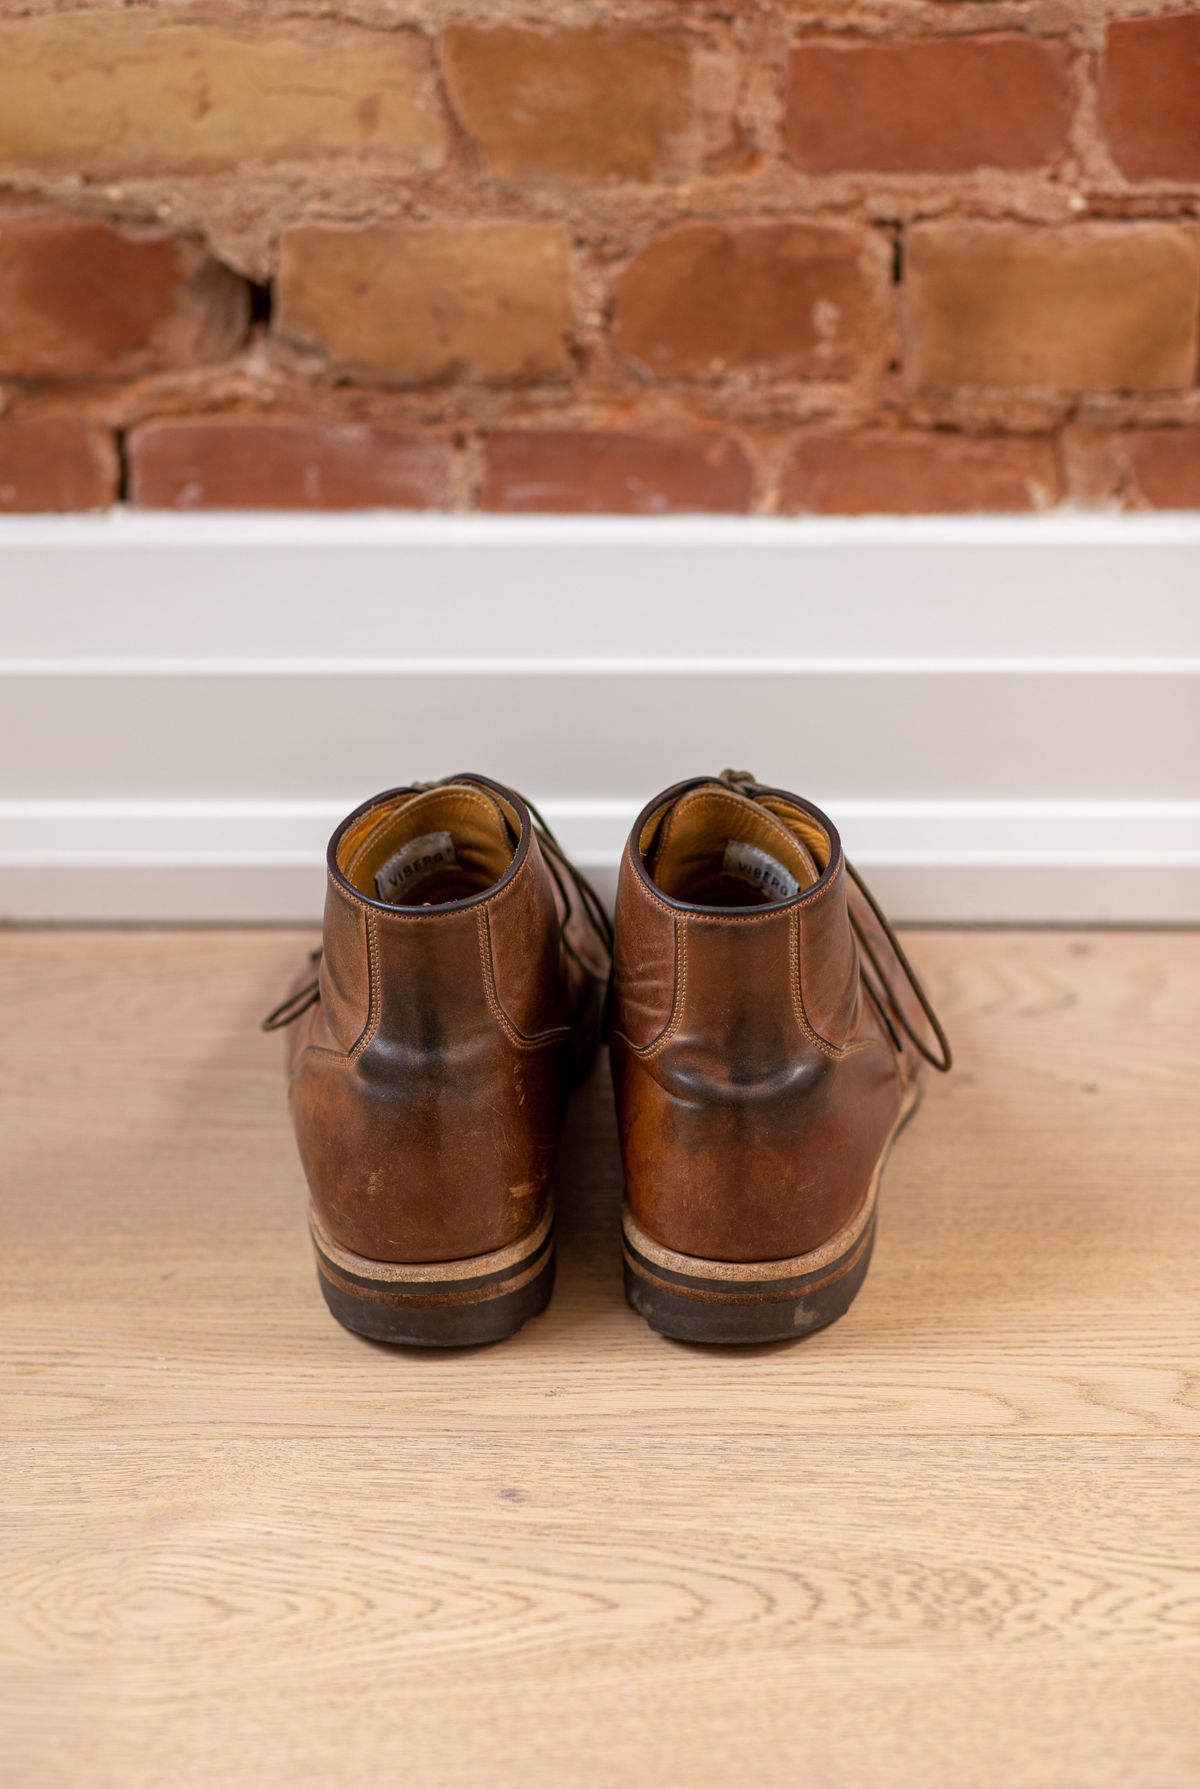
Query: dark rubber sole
{"x": 450, "y": 1304}
{"x": 689, "y": 1299}
{"x": 699, "y": 1309}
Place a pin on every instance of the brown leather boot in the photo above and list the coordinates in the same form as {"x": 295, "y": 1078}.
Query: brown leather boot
{"x": 762, "y": 1059}
{"x": 458, "y": 998}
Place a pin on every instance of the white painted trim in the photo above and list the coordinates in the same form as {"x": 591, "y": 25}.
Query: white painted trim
{"x": 1002, "y": 714}
{"x": 281, "y": 590}
{"x": 953, "y": 861}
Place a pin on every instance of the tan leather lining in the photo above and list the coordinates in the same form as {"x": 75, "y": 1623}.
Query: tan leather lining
{"x": 684, "y": 848}
{"x": 483, "y": 828}
{"x": 799, "y": 821}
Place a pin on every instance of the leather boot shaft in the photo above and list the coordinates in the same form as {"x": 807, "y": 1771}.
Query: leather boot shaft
{"x": 756, "y": 1083}
{"x": 429, "y": 1080}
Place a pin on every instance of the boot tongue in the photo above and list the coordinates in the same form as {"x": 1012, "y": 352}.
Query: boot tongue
{"x": 423, "y": 850}
{"x": 716, "y": 847}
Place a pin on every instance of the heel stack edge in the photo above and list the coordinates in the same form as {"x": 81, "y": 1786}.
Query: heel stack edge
{"x": 726, "y": 1312}
{"x": 438, "y": 1304}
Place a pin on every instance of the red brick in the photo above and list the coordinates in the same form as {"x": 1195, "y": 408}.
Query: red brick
{"x": 1092, "y": 307}
{"x": 800, "y": 299}
{"x": 82, "y": 297}
{"x": 422, "y": 301}
{"x": 592, "y": 473}
{"x": 254, "y": 462}
{"x": 600, "y": 102}
{"x": 55, "y": 463}
{"x": 1150, "y": 96}
{"x": 116, "y": 92}
{"x": 1164, "y": 467}
{"x": 936, "y": 105}
{"x": 875, "y": 473}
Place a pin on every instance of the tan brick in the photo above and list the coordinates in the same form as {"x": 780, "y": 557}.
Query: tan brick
{"x": 417, "y": 302}
{"x": 800, "y": 299}
{"x": 877, "y": 473}
{"x": 1095, "y": 307}
{"x": 1091, "y": 474}
{"x": 277, "y": 462}
{"x": 938, "y": 105}
{"x": 603, "y": 102}
{"x": 591, "y": 472}
{"x": 55, "y": 463}
{"x": 79, "y": 296}
{"x": 1150, "y": 96}
{"x": 1164, "y": 467}
{"x": 136, "y": 92}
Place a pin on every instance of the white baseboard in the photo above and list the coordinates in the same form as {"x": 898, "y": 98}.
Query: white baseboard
{"x": 1002, "y": 715}
{"x": 948, "y": 861}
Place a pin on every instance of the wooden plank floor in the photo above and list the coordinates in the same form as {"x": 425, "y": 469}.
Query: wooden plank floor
{"x": 953, "y": 1540}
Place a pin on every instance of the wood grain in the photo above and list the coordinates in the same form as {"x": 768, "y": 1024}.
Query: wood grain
{"x": 952, "y": 1541}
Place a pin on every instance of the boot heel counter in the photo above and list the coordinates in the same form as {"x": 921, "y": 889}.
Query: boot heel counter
{"x": 713, "y": 1166}
{"x": 751, "y": 1170}
{"x": 433, "y": 1137}
{"x": 407, "y": 1164}
{"x": 745, "y": 1135}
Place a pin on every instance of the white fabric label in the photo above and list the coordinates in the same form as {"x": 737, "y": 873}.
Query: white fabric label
{"x": 411, "y": 864}
{"x": 750, "y": 863}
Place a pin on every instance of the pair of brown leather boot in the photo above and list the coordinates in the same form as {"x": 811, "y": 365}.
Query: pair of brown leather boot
{"x": 763, "y": 1060}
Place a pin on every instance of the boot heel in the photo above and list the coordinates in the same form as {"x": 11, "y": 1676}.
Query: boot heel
{"x": 438, "y": 1304}
{"x": 692, "y": 1300}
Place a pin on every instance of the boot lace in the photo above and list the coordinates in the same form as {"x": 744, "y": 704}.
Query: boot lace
{"x": 744, "y": 784}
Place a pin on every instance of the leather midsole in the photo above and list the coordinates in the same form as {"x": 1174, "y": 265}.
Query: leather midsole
{"x": 450, "y": 1292}
{"x": 793, "y": 1291}
{"x": 499, "y": 1268}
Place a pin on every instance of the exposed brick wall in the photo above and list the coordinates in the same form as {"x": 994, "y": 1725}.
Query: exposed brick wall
{"x": 651, "y": 255}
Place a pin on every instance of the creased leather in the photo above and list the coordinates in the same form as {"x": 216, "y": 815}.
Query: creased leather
{"x": 644, "y": 962}
{"x": 428, "y": 1084}
{"x": 756, "y": 1087}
